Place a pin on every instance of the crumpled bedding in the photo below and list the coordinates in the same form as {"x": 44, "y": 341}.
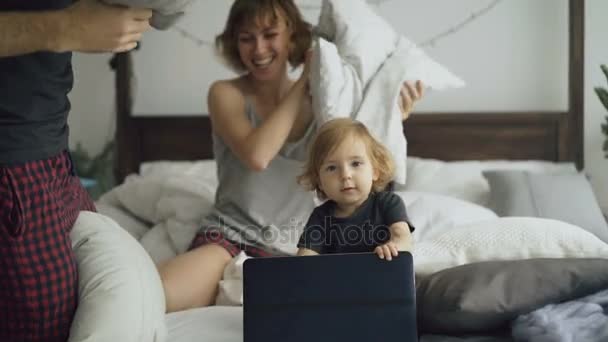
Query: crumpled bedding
{"x": 580, "y": 320}
{"x": 163, "y": 212}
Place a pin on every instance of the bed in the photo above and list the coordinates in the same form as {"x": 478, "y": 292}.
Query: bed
{"x": 456, "y": 162}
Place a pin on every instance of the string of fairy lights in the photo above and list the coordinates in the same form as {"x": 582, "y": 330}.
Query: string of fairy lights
{"x": 429, "y": 42}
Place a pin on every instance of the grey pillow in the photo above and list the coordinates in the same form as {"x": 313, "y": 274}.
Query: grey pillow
{"x": 564, "y": 197}
{"x": 484, "y": 297}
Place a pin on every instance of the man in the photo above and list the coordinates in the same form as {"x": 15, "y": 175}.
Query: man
{"x": 40, "y": 196}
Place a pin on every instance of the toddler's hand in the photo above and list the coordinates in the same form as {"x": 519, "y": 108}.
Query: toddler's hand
{"x": 387, "y": 251}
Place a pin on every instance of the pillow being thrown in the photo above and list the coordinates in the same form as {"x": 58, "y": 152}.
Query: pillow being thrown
{"x": 358, "y": 67}
{"x": 166, "y": 12}
{"x": 354, "y": 43}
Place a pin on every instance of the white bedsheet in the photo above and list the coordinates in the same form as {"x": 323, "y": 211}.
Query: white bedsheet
{"x": 211, "y": 324}
{"x": 225, "y": 324}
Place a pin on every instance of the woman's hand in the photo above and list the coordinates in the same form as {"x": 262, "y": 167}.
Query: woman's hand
{"x": 387, "y": 251}
{"x": 410, "y": 93}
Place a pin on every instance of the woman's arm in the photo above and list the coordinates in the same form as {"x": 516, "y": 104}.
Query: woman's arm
{"x": 86, "y": 26}
{"x": 255, "y": 147}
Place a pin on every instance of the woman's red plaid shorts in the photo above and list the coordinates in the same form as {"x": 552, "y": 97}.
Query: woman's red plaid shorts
{"x": 234, "y": 248}
{"x": 39, "y": 203}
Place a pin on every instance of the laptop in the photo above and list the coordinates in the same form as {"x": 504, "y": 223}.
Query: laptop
{"x": 329, "y": 298}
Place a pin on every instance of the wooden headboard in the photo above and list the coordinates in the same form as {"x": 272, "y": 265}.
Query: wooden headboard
{"x": 552, "y": 136}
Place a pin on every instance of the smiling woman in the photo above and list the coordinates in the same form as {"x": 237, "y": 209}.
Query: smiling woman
{"x": 262, "y": 123}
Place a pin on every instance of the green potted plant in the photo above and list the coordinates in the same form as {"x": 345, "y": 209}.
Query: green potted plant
{"x": 95, "y": 172}
{"x": 602, "y": 93}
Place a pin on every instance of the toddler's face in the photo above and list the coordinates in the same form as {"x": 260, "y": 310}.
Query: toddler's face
{"x": 347, "y": 174}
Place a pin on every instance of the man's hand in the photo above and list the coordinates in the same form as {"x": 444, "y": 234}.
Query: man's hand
{"x": 91, "y": 26}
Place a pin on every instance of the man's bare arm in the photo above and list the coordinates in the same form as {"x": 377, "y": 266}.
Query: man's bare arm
{"x": 26, "y": 32}
{"x": 86, "y": 26}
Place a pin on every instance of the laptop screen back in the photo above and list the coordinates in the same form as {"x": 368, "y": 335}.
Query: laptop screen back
{"x": 346, "y": 297}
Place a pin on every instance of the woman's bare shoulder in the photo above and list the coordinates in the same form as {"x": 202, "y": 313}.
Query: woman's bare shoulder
{"x": 225, "y": 97}
{"x": 229, "y": 87}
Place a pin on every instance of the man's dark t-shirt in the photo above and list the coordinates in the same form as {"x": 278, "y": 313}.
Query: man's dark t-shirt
{"x": 363, "y": 231}
{"x": 34, "y": 101}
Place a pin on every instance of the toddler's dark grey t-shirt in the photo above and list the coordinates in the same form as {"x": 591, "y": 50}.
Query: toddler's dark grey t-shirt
{"x": 361, "y": 232}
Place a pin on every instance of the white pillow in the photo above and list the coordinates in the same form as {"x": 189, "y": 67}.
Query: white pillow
{"x": 361, "y": 75}
{"x": 363, "y": 38}
{"x": 434, "y": 214}
{"x": 121, "y": 296}
{"x": 506, "y": 238}
{"x": 364, "y": 41}
{"x": 336, "y": 89}
{"x": 464, "y": 179}
{"x": 419, "y": 66}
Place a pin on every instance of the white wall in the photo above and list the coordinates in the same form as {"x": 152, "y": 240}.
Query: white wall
{"x": 93, "y": 111}
{"x": 503, "y": 56}
{"x": 513, "y": 58}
